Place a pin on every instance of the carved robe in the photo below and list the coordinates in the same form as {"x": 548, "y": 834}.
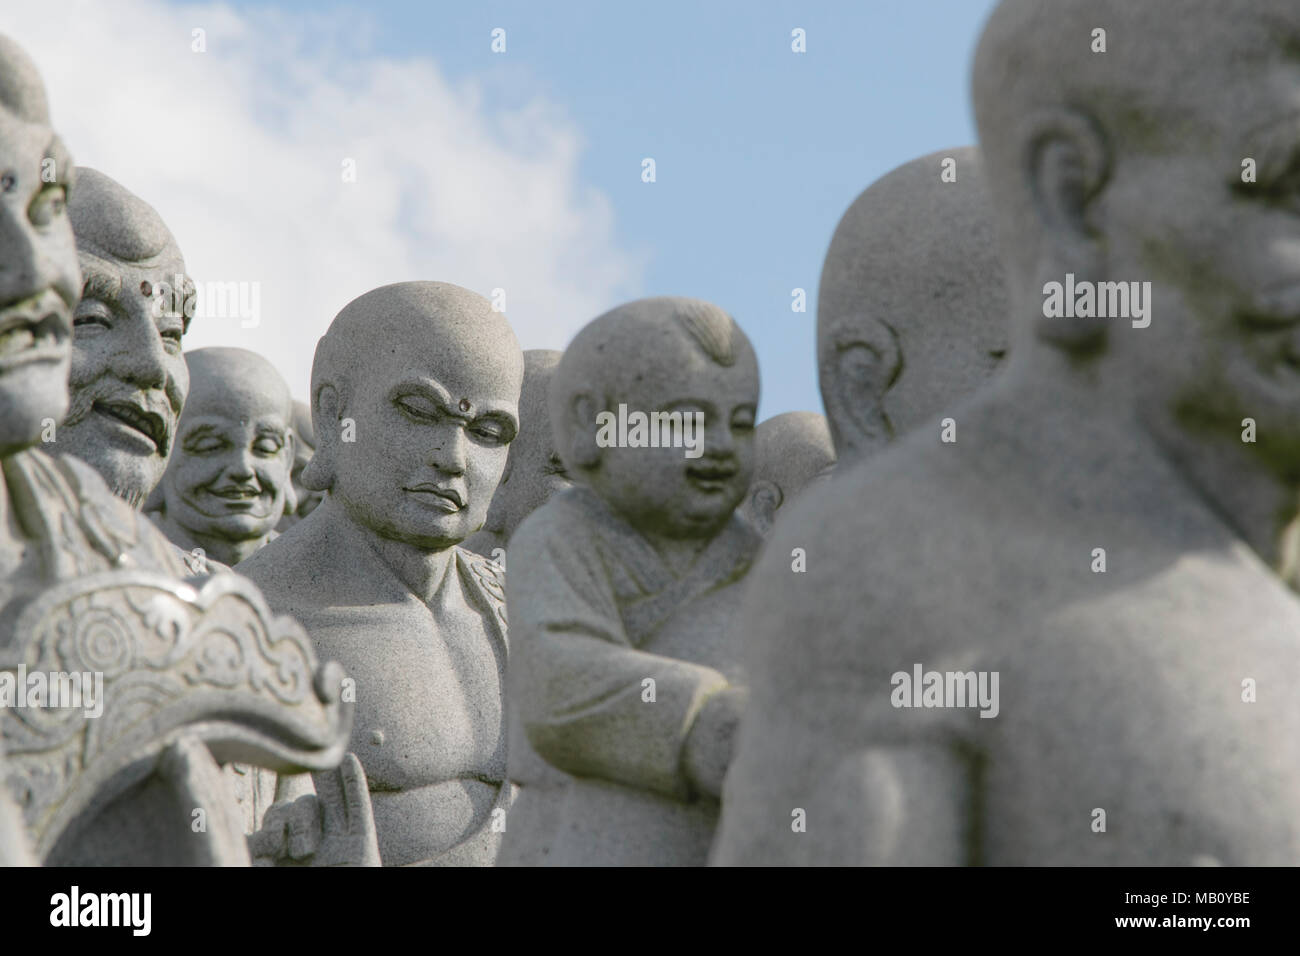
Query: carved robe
{"x": 613, "y": 658}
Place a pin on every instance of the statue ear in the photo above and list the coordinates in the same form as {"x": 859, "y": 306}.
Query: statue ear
{"x": 761, "y": 503}
{"x": 326, "y": 412}
{"x": 1067, "y": 164}
{"x": 290, "y": 492}
{"x": 854, "y": 380}
{"x": 584, "y": 450}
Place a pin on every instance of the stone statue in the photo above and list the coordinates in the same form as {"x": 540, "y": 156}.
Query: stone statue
{"x": 534, "y": 470}
{"x": 415, "y": 392}
{"x": 625, "y": 683}
{"x": 1099, "y": 535}
{"x": 227, "y": 481}
{"x": 912, "y": 303}
{"x": 304, "y": 446}
{"x": 121, "y": 685}
{"x": 14, "y": 850}
{"x": 128, "y": 376}
{"x": 792, "y": 450}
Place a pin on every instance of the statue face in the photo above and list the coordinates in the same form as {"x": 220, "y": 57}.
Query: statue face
{"x": 660, "y": 491}
{"x": 432, "y": 426}
{"x": 39, "y": 283}
{"x": 536, "y": 472}
{"x": 1223, "y": 257}
{"x": 229, "y": 472}
{"x": 128, "y": 378}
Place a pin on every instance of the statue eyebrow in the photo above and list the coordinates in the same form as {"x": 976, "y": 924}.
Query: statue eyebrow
{"x": 100, "y": 284}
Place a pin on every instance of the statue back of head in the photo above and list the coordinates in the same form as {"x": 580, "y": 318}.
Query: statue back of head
{"x": 39, "y": 278}
{"x": 911, "y": 311}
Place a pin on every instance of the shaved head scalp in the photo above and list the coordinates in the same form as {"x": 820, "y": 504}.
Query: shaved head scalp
{"x": 220, "y": 370}
{"x": 1035, "y": 64}
{"x": 111, "y": 222}
{"x": 22, "y": 92}
{"x": 449, "y": 329}
{"x": 912, "y": 305}
{"x": 638, "y": 341}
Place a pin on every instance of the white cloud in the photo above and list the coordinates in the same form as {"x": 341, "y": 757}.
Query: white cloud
{"x": 240, "y": 149}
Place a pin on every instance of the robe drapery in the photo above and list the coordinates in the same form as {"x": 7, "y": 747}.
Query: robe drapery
{"x": 613, "y": 657}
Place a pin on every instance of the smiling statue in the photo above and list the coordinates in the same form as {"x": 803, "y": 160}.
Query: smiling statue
{"x": 228, "y": 479}
{"x": 128, "y": 377}
{"x": 415, "y": 395}
{"x": 625, "y": 690}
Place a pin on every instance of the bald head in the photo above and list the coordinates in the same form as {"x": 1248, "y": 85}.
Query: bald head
{"x": 235, "y": 377}
{"x": 112, "y": 222}
{"x": 415, "y": 401}
{"x": 39, "y": 276}
{"x": 22, "y": 93}
{"x": 533, "y": 470}
{"x": 631, "y": 348}
{"x": 792, "y": 450}
{"x": 912, "y": 308}
{"x": 227, "y": 481}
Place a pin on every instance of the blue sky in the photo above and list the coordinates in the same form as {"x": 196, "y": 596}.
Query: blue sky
{"x": 758, "y": 150}
{"x": 520, "y": 169}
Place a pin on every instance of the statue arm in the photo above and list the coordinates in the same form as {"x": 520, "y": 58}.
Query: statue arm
{"x": 589, "y": 702}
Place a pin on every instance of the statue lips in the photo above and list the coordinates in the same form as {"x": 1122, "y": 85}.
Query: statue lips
{"x": 713, "y": 477}
{"x": 136, "y": 419}
{"x": 34, "y": 331}
{"x": 443, "y": 497}
{"x": 250, "y": 500}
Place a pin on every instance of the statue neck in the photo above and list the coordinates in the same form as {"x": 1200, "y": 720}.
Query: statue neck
{"x": 221, "y": 549}
{"x": 422, "y": 570}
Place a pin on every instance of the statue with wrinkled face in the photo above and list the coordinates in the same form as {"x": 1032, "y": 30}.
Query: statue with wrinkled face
{"x": 227, "y": 481}
{"x": 415, "y": 402}
{"x": 128, "y": 377}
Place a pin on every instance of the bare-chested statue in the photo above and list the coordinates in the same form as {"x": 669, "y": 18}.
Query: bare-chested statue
{"x": 1054, "y": 632}
{"x": 415, "y": 392}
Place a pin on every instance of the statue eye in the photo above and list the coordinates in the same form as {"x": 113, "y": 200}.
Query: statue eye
{"x": 417, "y": 408}
{"x": 91, "y": 313}
{"x": 48, "y": 206}
{"x": 488, "y": 431}
{"x": 267, "y": 446}
{"x": 204, "y": 446}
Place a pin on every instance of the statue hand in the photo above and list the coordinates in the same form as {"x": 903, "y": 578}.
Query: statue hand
{"x": 712, "y": 738}
{"x": 333, "y": 827}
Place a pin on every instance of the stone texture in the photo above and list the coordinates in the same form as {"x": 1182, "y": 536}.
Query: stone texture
{"x": 1127, "y": 691}
{"x": 415, "y": 391}
{"x": 911, "y": 310}
{"x": 792, "y": 451}
{"x": 228, "y": 478}
{"x": 625, "y": 681}
{"x": 304, "y": 446}
{"x": 534, "y": 470}
{"x": 128, "y": 378}
{"x": 182, "y": 672}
